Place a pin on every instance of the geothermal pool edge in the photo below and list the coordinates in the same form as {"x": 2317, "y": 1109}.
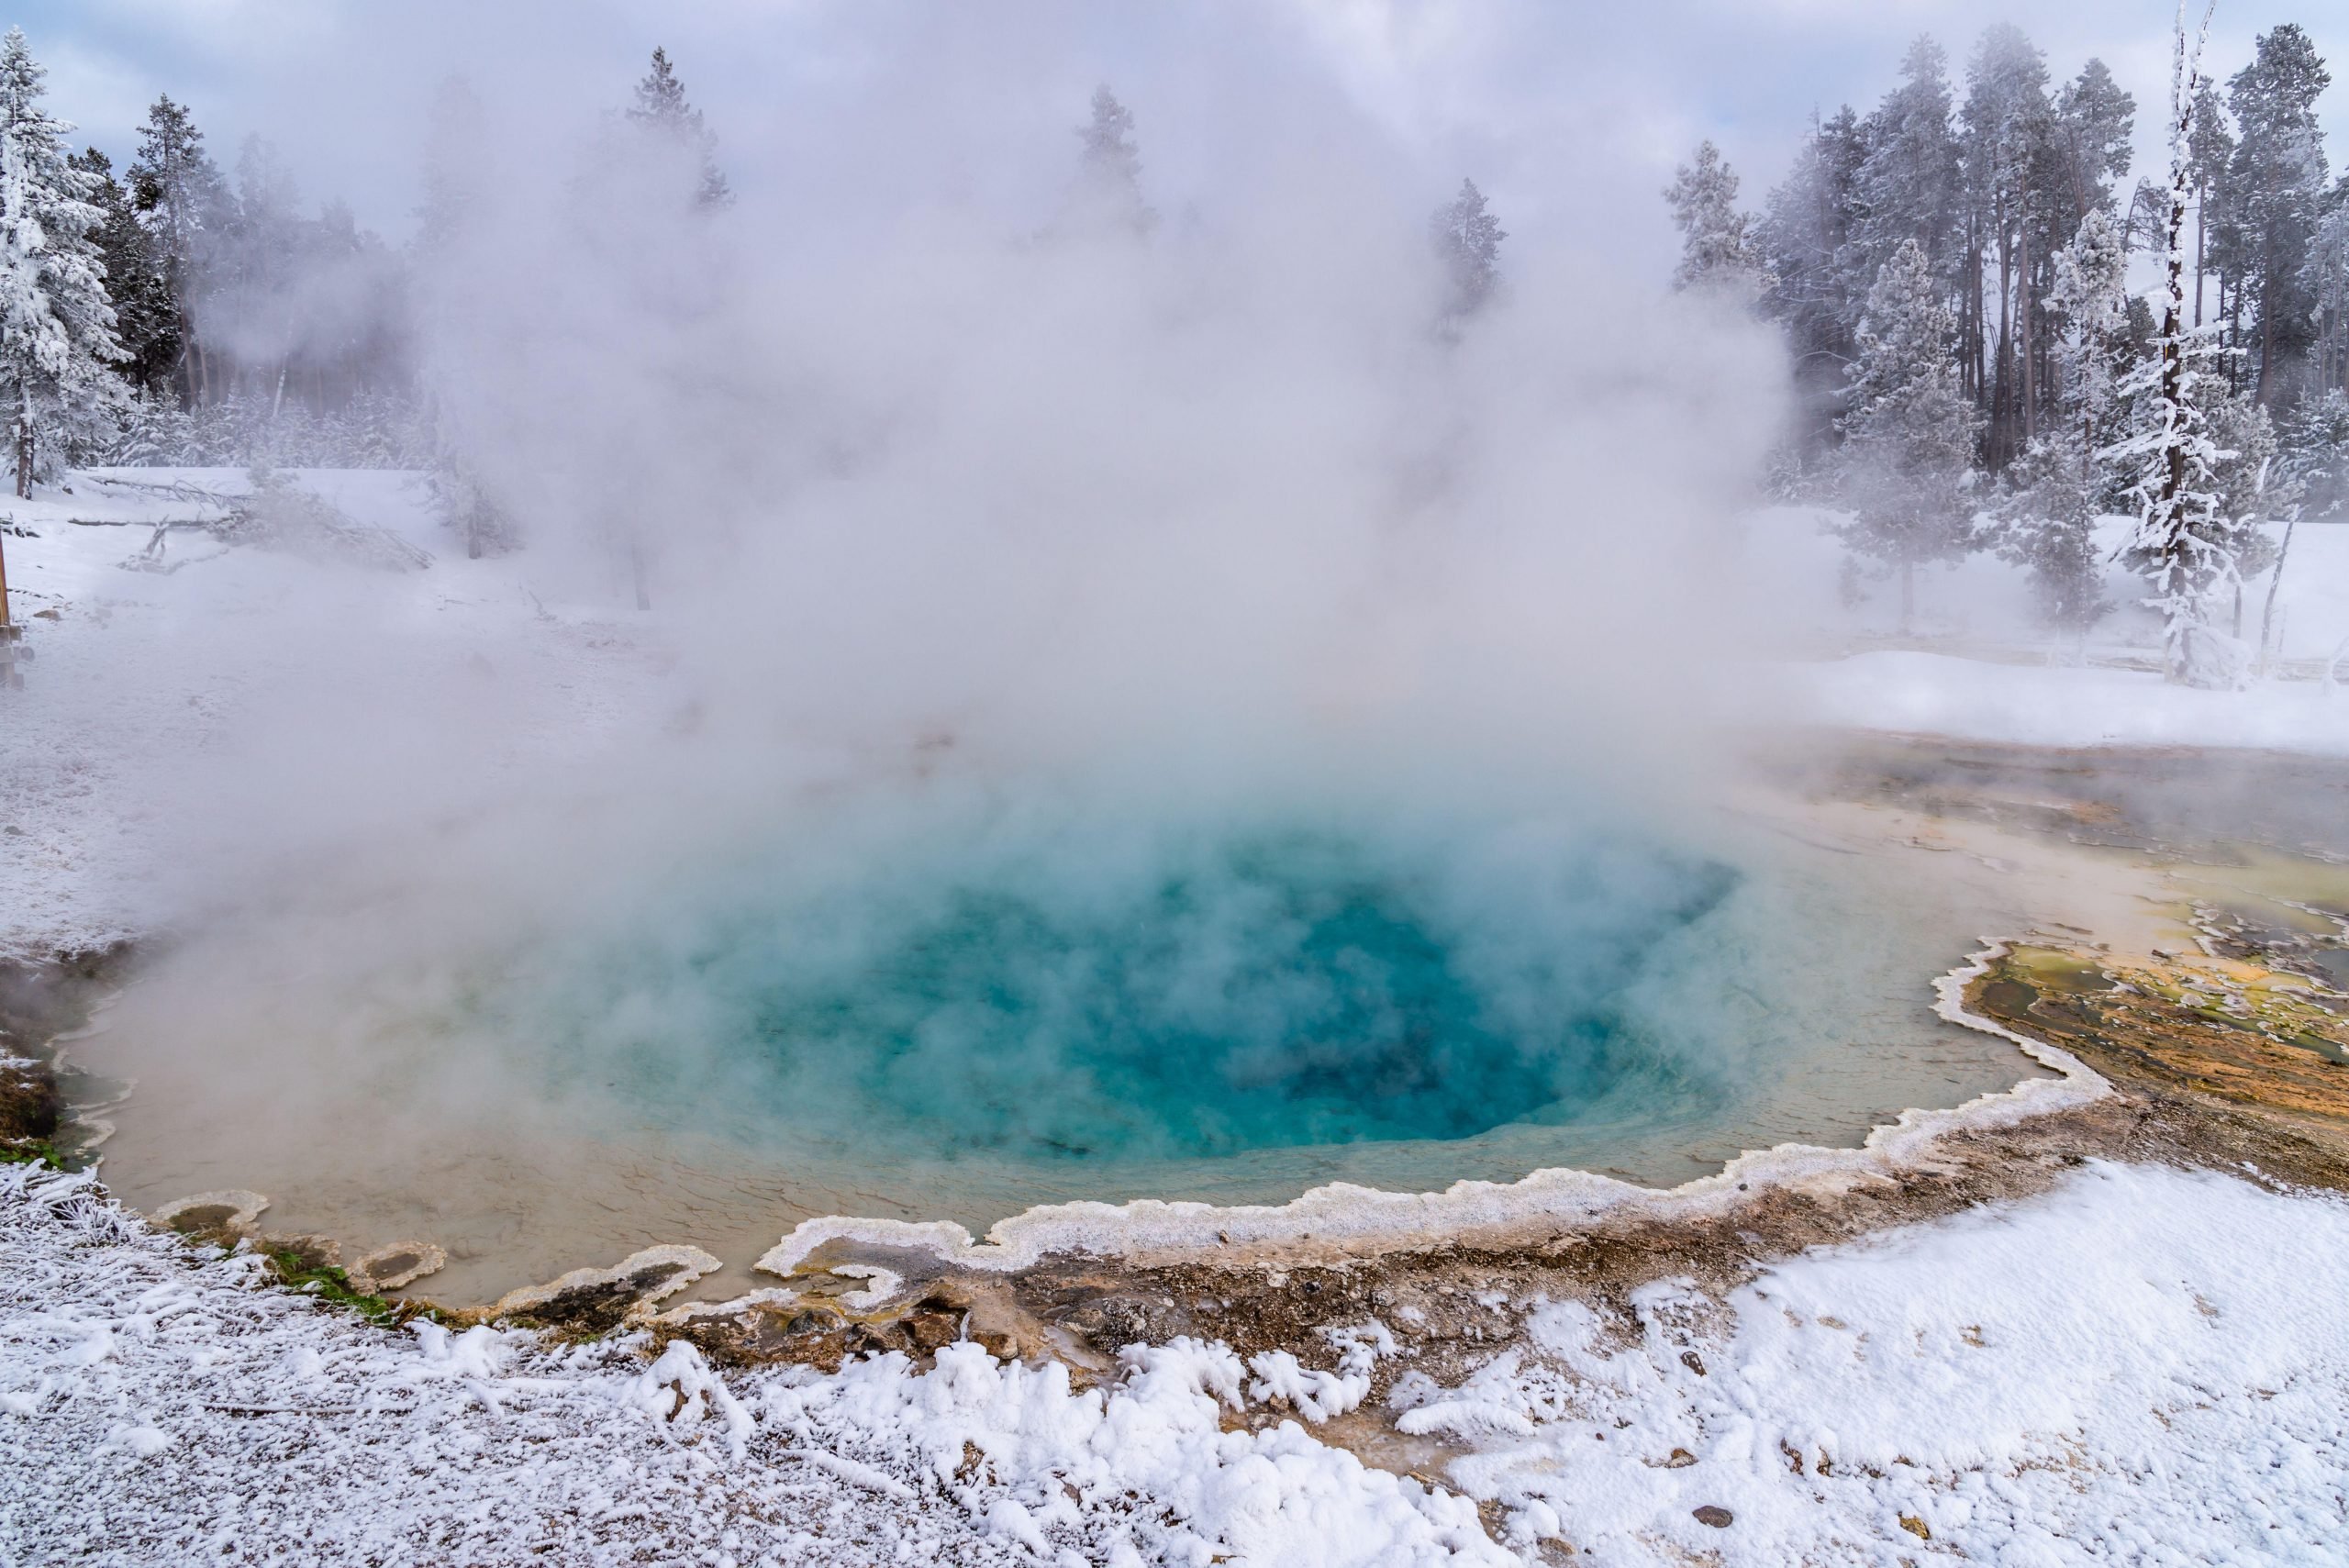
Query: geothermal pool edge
{"x": 1341, "y": 1219}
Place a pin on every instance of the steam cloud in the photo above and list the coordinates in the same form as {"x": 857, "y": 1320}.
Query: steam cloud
{"x": 939, "y": 486}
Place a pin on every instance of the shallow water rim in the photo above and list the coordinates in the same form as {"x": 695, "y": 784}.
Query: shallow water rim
{"x": 1342, "y": 1219}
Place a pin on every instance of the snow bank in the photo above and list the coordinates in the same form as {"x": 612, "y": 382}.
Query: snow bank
{"x": 2142, "y": 1365}
{"x": 1792, "y": 569}
{"x": 2047, "y": 704}
{"x": 157, "y": 1405}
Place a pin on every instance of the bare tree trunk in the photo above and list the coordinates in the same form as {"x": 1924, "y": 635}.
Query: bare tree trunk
{"x": 2234, "y": 340}
{"x": 636, "y": 566}
{"x": 2266, "y": 344}
{"x": 2275, "y": 581}
{"x": 2002, "y": 394}
{"x": 2201, "y": 202}
{"x": 2029, "y": 364}
{"x": 25, "y": 455}
{"x": 2176, "y": 656}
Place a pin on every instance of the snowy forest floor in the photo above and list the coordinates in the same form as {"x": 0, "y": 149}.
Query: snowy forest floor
{"x": 2111, "y": 1361}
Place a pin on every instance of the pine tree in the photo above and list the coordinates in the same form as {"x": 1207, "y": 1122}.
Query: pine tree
{"x": 2324, "y": 280}
{"x": 1714, "y": 249}
{"x": 260, "y": 256}
{"x": 1804, "y": 240}
{"x": 57, "y": 328}
{"x": 2247, "y": 486}
{"x": 1108, "y": 196}
{"x": 1910, "y": 436}
{"x": 2007, "y": 116}
{"x": 1468, "y": 241}
{"x": 2046, "y": 522}
{"x": 2208, "y": 152}
{"x": 661, "y": 110}
{"x": 145, "y": 320}
{"x": 2275, "y": 182}
{"x": 2314, "y": 444}
{"x": 2092, "y": 346}
{"x": 2094, "y": 120}
{"x": 2054, "y": 489}
{"x": 2182, "y": 544}
{"x": 182, "y": 203}
{"x": 1907, "y": 183}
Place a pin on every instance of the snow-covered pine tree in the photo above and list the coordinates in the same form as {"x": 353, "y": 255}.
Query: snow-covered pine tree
{"x": 2208, "y": 150}
{"x": 2052, "y": 492}
{"x": 2248, "y": 489}
{"x": 145, "y": 321}
{"x": 1107, "y": 195}
{"x": 57, "y": 328}
{"x": 1907, "y": 185}
{"x": 182, "y": 203}
{"x": 2092, "y": 349}
{"x": 1909, "y": 436}
{"x": 256, "y": 271}
{"x": 2181, "y": 543}
{"x": 661, "y": 110}
{"x": 1804, "y": 238}
{"x": 1714, "y": 249}
{"x": 2275, "y": 186}
{"x": 2314, "y": 438}
{"x": 2045, "y": 524}
{"x": 2008, "y": 118}
{"x": 2325, "y": 278}
{"x": 1468, "y": 241}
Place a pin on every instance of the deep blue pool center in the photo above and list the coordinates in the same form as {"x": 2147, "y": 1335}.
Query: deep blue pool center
{"x": 1074, "y": 995}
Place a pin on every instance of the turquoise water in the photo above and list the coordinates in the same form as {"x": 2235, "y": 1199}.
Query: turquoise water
{"x": 1090, "y": 993}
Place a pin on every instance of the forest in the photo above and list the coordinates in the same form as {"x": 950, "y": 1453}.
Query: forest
{"x": 1972, "y": 283}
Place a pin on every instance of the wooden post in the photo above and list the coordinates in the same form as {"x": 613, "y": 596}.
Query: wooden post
{"x": 8, "y": 629}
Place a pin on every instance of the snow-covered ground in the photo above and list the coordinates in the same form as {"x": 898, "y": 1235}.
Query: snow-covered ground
{"x": 2047, "y": 704}
{"x": 146, "y": 666}
{"x": 1977, "y": 667}
{"x": 1792, "y": 565}
{"x": 2141, "y": 1365}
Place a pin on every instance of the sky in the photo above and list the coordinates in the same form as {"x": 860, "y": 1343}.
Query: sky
{"x": 1560, "y": 108}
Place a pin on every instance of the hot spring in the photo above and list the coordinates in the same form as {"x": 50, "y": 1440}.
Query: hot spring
{"x": 945, "y": 1000}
